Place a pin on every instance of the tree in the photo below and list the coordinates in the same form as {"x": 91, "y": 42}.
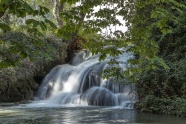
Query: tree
{"x": 35, "y": 19}
{"x": 81, "y": 19}
{"x": 159, "y": 13}
{"x": 161, "y": 90}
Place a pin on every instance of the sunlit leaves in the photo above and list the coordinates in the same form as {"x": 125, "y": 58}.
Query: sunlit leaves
{"x": 41, "y": 24}
{"x": 84, "y": 17}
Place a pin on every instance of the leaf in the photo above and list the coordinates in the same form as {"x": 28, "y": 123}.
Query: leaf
{"x": 36, "y": 23}
{"x": 37, "y": 43}
{"x": 5, "y": 64}
{"x": 23, "y": 55}
{"x": 29, "y": 21}
{"x": 4, "y": 27}
{"x": 43, "y": 26}
{"x": 50, "y": 23}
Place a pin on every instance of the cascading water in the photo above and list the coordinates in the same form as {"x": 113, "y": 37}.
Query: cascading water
{"x": 80, "y": 83}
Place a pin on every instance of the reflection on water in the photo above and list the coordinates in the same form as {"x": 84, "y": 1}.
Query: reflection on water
{"x": 79, "y": 115}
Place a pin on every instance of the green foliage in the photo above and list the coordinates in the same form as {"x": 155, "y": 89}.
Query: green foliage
{"x": 141, "y": 18}
{"x": 164, "y": 90}
{"x": 15, "y": 47}
{"x": 174, "y": 105}
{"x": 17, "y": 82}
{"x": 4, "y": 26}
{"x": 23, "y": 9}
{"x": 156, "y": 34}
{"x": 34, "y": 19}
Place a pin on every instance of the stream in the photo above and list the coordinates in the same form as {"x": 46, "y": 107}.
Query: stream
{"x": 70, "y": 114}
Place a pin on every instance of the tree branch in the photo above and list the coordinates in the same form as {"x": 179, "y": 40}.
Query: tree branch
{"x": 5, "y": 7}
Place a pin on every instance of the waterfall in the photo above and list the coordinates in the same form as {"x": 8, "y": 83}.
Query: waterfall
{"x": 80, "y": 83}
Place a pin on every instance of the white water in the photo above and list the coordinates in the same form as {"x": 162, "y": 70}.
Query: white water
{"x": 80, "y": 84}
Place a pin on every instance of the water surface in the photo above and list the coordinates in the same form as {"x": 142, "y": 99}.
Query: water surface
{"x": 80, "y": 115}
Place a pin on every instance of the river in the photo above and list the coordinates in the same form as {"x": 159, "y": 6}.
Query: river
{"x": 76, "y": 94}
{"x": 21, "y": 114}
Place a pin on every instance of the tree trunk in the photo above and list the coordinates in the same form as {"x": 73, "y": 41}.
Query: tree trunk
{"x": 57, "y": 10}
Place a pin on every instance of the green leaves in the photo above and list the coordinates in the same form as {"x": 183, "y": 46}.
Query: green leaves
{"x": 22, "y": 9}
{"x": 16, "y": 47}
{"x": 42, "y": 24}
{"x": 50, "y": 23}
{"x": 43, "y": 10}
{"x": 35, "y": 23}
{"x": 143, "y": 18}
{"x": 69, "y": 1}
{"x": 164, "y": 17}
{"x": 83, "y": 17}
{"x": 5, "y": 1}
{"x": 4, "y": 27}
{"x": 32, "y": 21}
